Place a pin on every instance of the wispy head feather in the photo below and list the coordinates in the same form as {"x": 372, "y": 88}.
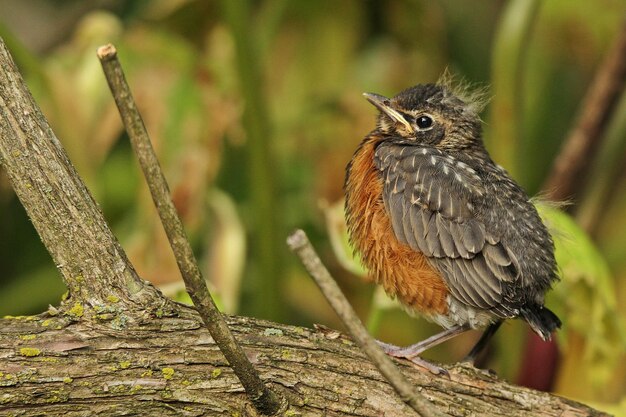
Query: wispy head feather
{"x": 475, "y": 96}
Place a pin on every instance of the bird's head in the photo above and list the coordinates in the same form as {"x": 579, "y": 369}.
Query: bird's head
{"x": 430, "y": 114}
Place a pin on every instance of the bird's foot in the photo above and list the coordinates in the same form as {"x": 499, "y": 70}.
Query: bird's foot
{"x": 411, "y": 353}
{"x": 473, "y": 355}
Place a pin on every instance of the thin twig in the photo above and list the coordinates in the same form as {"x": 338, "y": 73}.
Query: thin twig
{"x": 583, "y": 141}
{"x": 299, "y": 243}
{"x": 264, "y": 399}
{"x": 605, "y": 175}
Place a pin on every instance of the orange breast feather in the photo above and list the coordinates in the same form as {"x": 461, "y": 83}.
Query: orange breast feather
{"x": 403, "y": 272}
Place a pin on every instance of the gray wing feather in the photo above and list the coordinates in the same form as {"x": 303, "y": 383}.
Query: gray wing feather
{"x": 396, "y": 210}
{"x": 432, "y": 203}
{"x": 408, "y": 224}
{"x": 432, "y": 237}
{"x": 446, "y": 239}
{"x": 456, "y": 231}
{"x": 420, "y": 233}
{"x": 481, "y": 297}
{"x": 456, "y": 279}
{"x": 473, "y": 236}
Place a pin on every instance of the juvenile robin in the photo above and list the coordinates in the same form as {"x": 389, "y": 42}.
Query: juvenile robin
{"x": 440, "y": 226}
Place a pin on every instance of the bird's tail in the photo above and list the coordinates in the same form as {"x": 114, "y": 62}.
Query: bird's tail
{"x": 541, "y": 320}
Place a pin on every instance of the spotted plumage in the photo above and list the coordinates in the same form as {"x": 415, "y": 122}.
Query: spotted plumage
{"x": 422, "y": 186}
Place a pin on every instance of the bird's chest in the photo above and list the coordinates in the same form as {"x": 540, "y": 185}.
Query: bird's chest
{"x": 403, "y": 272}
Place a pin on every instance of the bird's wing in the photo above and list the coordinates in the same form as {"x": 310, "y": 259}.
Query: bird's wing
{"x": 433, "y": 201}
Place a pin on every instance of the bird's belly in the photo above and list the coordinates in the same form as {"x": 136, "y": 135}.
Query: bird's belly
{"x": 463, "y": 314}
{"x": 403, "y": 272}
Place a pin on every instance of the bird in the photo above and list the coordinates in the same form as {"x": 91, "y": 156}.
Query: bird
{"x": 443, "y": 228}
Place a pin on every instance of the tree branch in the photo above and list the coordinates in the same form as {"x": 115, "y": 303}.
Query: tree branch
{"x": 92, "y": 263}
{"x": 598, "y": 107}
{"x": 266, "y": 401}
{"x": 170, "y": 366}
{"x": 299, "y": 243}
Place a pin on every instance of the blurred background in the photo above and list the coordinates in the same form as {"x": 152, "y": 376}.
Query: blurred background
{"x": 255, "y": 108}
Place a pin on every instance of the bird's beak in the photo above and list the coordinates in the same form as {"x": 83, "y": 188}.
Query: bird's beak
{"x": 382, "y": 104}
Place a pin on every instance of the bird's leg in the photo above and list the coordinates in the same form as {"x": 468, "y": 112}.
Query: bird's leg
{"x": 482, "y": 342}
{"x": 411, "y": 352}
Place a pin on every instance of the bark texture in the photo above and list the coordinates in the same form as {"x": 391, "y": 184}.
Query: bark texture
{"x": 170, "y": 366}
{"x": 90, "y": 259}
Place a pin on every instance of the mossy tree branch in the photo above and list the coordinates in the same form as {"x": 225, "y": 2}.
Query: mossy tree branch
{"x": 93, "y": 265}
{"x": 170, "y": 366}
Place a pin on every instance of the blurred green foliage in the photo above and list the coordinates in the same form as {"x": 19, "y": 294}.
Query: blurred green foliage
{"x": 586, "y": 296}
{"x": 255, "y": 108}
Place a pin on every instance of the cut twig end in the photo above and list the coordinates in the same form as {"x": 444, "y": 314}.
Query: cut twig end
{"x": 299, "y": 243}
{"x": 297, "y": 240}
{"x": 265, "y": 400}
{"x": 106, "y": 52}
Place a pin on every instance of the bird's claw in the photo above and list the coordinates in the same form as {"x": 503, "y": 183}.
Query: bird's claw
{"x": 411, "y": 354}
{"x": 431, "y": 367}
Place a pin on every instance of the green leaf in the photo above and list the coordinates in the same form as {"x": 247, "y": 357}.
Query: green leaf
{"x": 585, "y": 298}
{"x": 338, "y": 234}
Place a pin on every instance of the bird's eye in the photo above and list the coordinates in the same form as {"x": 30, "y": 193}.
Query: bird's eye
{"x": 424, "y": 122}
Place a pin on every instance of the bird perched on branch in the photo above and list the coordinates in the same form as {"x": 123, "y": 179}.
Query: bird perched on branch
{"x": 440, "y": 226}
